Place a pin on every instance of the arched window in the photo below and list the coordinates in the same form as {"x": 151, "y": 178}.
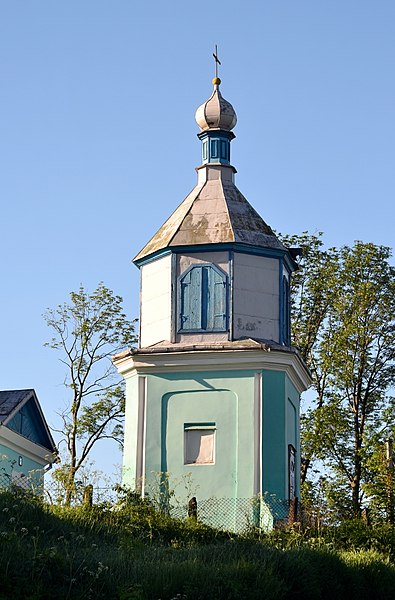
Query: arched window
{"x": 203, "y": 299}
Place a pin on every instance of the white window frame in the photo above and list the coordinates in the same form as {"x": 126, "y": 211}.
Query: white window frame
{"x": 206, "y": 427}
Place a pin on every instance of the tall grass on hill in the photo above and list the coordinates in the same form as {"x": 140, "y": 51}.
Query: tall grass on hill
{"x": 135, "y": 553}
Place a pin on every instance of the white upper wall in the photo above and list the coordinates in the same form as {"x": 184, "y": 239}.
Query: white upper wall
{"x": 155, "y": 302}
{"x": 220, "y": 259}
{"x": 256, "y": 301}
{"x": 256, "y": 297}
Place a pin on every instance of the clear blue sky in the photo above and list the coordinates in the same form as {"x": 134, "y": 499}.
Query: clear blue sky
{"x": 98, "y": 140}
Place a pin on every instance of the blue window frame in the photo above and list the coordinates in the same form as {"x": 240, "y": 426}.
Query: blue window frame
{"x": 203, "y": 299}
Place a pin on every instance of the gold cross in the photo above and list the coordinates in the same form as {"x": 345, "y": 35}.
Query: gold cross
{"x": 217, "y": 61}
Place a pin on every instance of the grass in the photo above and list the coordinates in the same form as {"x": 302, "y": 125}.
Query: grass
{"x": 134, "y": 553}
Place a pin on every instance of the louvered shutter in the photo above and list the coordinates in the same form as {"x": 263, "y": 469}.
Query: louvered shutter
{"x": 185, "y": 293}
{"x": 195, "y": 303}
{"x": 191, "y": 300}
{"x": 216, "y": 300}
{"x": 203, "y": 296}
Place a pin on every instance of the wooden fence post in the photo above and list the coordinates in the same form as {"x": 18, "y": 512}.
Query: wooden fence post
{"x": 88, "y": 495}
{"x": 293, "y": 511}
{"x": 192, "y": 508}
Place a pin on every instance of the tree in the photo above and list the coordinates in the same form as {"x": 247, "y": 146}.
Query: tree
{"x": 344, "y": 325}
{"x": 380, "y": 480}
{"x": 361, "y": 344}
{"x": 87, "y": 332}
{"x": 312, "y": 295}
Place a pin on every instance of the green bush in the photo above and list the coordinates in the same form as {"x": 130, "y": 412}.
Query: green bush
{"x": 133, "y": 552}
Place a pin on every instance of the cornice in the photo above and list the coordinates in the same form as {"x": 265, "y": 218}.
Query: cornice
{"x": 216, "y": 360}
{"x": 238, "y": 247}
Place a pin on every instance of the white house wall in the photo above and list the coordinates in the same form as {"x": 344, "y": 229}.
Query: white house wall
{"x": 155, "y": 316}
{"x": 256, "y": 297}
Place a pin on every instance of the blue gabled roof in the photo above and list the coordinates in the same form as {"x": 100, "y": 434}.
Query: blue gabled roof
{"x": 9, "y": 401}
{"x": 20, "y": 411}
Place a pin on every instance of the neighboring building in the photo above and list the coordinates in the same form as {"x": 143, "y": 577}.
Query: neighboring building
{"x": 27, "y": 449}
{"x": 214, "y": 388}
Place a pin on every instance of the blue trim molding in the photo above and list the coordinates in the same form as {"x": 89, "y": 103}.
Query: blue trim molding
{"x": 233, "y": 246}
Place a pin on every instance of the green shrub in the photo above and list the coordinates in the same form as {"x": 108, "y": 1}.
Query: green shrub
{"x": 136, "y": 553}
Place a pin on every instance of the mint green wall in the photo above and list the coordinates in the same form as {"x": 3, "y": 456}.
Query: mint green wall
{"x": 221, "y": 397}
{"x": 227, "y": 399}
{"x": 293, "y": 425}
{"x": 273, "y": 434}
{"x": 130, "y": 436}
{"x": 9, "y": 461}
{"x": 280, "y": 428}
{"x": 202, "y": 406}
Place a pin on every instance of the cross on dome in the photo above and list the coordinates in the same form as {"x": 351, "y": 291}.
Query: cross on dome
{"x": 216, "y": 112}
{"x": 217, "y": 62}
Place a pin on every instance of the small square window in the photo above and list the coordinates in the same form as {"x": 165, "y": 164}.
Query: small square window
{"x": 199, "y": 445}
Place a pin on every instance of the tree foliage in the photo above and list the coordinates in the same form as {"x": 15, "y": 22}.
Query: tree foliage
{"x": 343, "y": 316}
{"x": 87, "y": 332}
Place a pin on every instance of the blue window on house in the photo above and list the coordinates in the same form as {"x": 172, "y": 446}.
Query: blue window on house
{"x": 286, "y": 320}
{"x": 203, "y": 299}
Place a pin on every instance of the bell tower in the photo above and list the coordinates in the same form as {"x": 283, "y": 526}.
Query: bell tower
{"x": 213, "y": 389}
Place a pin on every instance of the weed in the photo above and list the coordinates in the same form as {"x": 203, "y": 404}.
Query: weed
{"x": 138, "y": 553}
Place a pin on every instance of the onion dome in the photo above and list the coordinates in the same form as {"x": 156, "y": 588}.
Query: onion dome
{"x": 216, "y": 112}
